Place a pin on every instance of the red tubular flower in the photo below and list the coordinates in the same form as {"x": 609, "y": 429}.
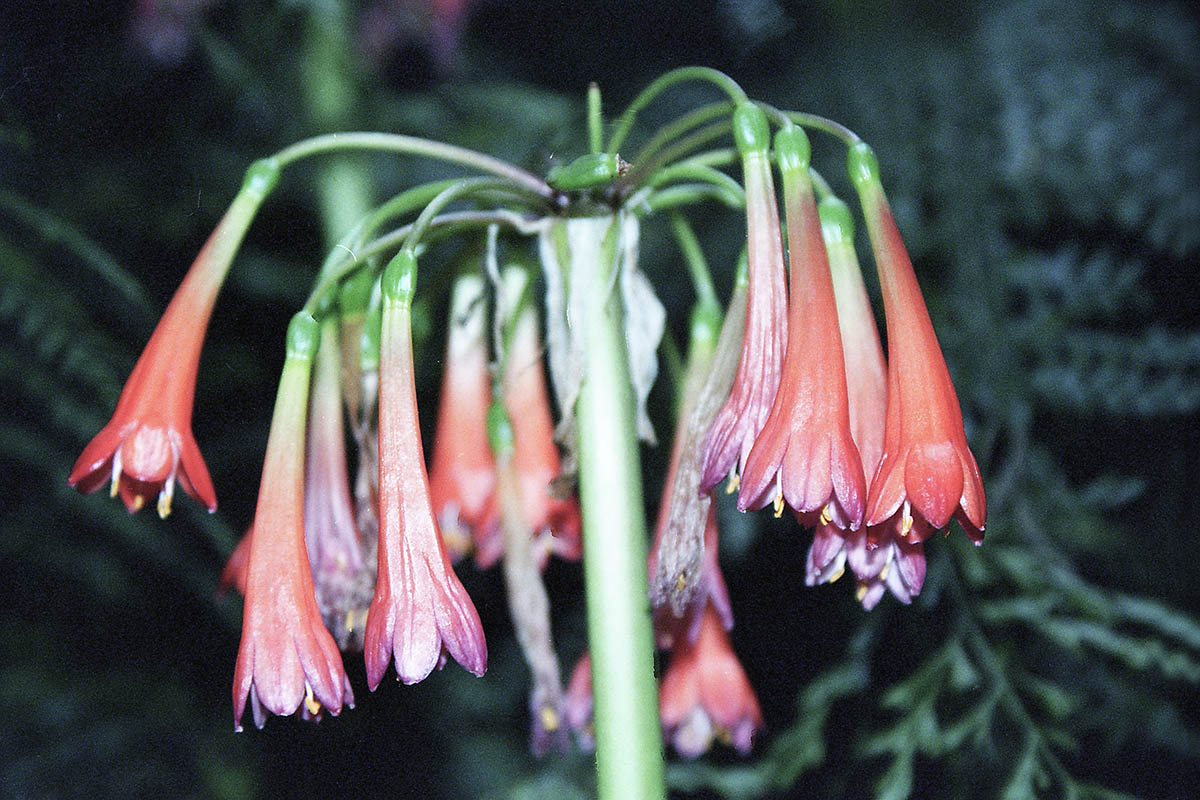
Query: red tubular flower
{"x": 286, "y": 656}
{"x": 739, "y": 421}
{"x": 554, "y": 520}
{"x": 148, "y": 443}
{"x": 927, "y": 473}
{"x": 335, "y": 547}
{"x": 705, "y": 693}
{"x": 805, "y": 453}
{"x": 420, "y": 610}
{"x": 462, "y": 479}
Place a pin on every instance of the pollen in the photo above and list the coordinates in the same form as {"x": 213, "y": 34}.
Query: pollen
{"x": 860, "y": 592}
{"x": 311, "y": 703}
{"x": 735, "y": 482}
{"x": 778, "y": 505}
{"x": 138, "y": 502}
{"x": 883, "y": 573}
{"x": 906, "y": 520}
{"x": 841, "y": 570}
{"x": 827, "y": 514}
{"x": 164, "y": 505}
{"x": 681, "y": 581}
{"x": 549, "y": 718}
{"x": 115, "y": 486}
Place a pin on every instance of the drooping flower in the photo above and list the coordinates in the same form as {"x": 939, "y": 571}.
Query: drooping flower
{"x": 462, "y": 477}
{"x": 553, "y": 518}
{"x": 343, "y": 582}
{"x": 739, "y": 421}
{"x": 805, "y": 454}
{"x": 705, "y": 693}
{"x": 148, "y": 444}
{"x": 878, "y": 559}
{"x": 286, "y": 657}
{"x": 420, "y": 611}
{"x": 927, "y": 473}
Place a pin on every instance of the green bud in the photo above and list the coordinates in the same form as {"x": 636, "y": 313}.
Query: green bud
{"x": 862, "y": 166}
{"x": 303, "y": 336}
{"x": 792, "y": 149}
{"x": 500, "y": 432}
{"x": 750, "y": 129}
{"x": 837, "y": 224}
{"x": 400, "y": 278}
{"x": 261, "y": 177}
{"x": 355, "y": 292}
{"x": 585, "y": 172}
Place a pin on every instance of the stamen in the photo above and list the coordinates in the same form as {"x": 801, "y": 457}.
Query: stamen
{"x": 549, "y": 718}
{"x": 681, "y": 581}
{"x": 827, "y": 514}
{"x": 778, "y": 505}
{"x": 860, "y": 592}
{"x": 113, "y": 487}
{"x": 168, "y": 490}
{"x": 906, "y": 520}
{"x": 883, "y": 573}
{"x": 841, "y": 570}
{"x": 310, "y": 702}
{"x": 735, "y": 481}
{"x": 138, "y": 502}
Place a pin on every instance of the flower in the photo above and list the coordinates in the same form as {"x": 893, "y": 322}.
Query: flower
{"x": 148, "y": 444}
{"x": 927, "y": 473}
{"x": 805, "y": 453}
{"x": 705, "y": 693}
{"x": 739, "y": 421}
{"x": 554, "y": 519}
{"x": 286, "y": 657}
{"x": 342, "y": 579}
{"x": 462, "y": 478}
{"x": 877, "y": 557}
{"x": 578, "y": 703}
{"x": 420, "y": 611}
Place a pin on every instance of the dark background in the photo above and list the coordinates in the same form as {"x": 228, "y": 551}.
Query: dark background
{"x": 1042, "y": 159}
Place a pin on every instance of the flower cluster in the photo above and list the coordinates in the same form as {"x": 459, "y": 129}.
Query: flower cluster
{"x": 791, "y": 398}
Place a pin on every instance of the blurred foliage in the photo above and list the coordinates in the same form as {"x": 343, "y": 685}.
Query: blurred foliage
{"x": 1041, "y": 158}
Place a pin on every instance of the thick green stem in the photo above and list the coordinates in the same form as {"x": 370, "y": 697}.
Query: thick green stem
{"x": 629, "y": 760}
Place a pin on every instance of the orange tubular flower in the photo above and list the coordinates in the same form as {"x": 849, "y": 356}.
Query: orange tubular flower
{"x": 148, "y": 443}
{"x": 705, "y": 693}
{"x": 286, "y": 657}
{"x": 805, "y": 453}
{"x": 554, "y": 520}
{"x": 462, "y": 479}
{"x": 420, "y": 610}
{"x": 739, "y": 421}
{"x": 927, "y": 473}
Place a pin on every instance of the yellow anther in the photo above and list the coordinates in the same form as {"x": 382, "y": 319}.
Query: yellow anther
{"x": 735, "y": 482}
{"x": 724, "y": 735}
{"x": 114, "y": 487}
{"x": 138, "y": 502}
{"x": 883, "y": 573}
{"x": 841, "y": 570}
{"x": 860, "y": 592}
{"x": 349, "y": 623}
{"x": 549, "y": 718}
{"x": 681, "y": 581}
{"x": 906, "y": 520}
{"x": 779, "y": 505}
{"x": 827, "y": 514}
{"x": 311, "y": 703}
{"x": 164, "y": 505}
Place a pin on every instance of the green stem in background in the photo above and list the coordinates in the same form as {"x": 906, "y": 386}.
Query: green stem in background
{"x": 688, "y": 194}
{"x": 416, "y": 146}
{"x": 676, "y": 151}
{"x": 681, "y": 126}
{"x": 455, "y": 191}
{"x": 629, "y": 755}
{"x": 595, "y": 118}
{"x": 692, "y": 171}
{"x": 675, "y": 76}
{"x": 819, "y": 123}
{"x": 689, "y": 246}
